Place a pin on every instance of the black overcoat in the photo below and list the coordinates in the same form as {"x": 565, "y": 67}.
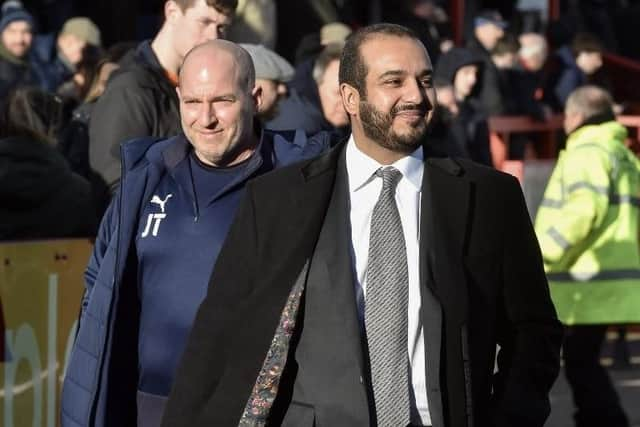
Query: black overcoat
{"x": 479, "y": 256}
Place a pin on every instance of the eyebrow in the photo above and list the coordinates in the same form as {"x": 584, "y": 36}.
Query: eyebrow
{"x": 227, "y": 97}
{"x": 402, "y": 73}
{"x": 392, "y": 73}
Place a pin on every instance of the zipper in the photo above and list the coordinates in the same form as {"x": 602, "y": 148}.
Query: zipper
{"x": 194, "y": 203}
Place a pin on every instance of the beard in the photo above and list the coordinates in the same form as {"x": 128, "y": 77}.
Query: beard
{"x": 378, "y": 126}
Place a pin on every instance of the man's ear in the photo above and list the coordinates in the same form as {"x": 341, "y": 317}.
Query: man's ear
{"x": 171, "y": 11}
{"x": 178, "y": 92}
{"x": 256, "y": 94}
{"x": 350, "y": 99}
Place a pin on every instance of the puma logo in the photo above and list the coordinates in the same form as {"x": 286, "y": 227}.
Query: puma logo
{"x": 154, "y": 219}
{"x": 158, "y": 201}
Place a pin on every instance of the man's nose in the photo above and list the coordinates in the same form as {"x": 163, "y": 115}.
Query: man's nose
{"x": 207, "y": 116}
{"x": 414, "y": 92}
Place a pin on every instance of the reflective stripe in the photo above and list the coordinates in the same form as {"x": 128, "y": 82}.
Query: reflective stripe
{"x": 617, "y": 199}
{"x": 558, "y": 238}
{"x": 614, "y": 199}
{"x": 550, "y": 203}
{"x": 602, "y": 275}
{"x": 589, "y": 186}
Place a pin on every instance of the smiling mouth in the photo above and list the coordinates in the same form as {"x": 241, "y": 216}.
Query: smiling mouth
{"x": 209, "y": 132}
{"x": 411, "y": 114}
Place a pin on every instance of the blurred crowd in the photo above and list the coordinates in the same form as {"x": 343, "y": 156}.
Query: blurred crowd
{"x": 502, "y": 69}
{"x": 68, "y": 101}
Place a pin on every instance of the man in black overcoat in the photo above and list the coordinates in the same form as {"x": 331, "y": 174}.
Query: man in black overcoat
{"x": 374, "y": 285}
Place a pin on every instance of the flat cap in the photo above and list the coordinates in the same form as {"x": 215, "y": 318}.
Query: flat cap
{"x": 84, "y": 29}
{"x": 335, "y": 32}
{"x": 268, "y": 64}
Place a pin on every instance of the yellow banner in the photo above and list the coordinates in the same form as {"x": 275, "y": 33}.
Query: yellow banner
{"x": 41, "y": 285}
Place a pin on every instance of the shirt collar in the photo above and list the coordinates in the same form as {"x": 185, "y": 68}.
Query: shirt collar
{"x": 361, "y": 167}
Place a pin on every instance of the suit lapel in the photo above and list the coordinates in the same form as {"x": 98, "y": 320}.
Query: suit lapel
{"x": 307, "y": 198}
{"x": 334, "y": 252}
{"x": 444, "y": 222}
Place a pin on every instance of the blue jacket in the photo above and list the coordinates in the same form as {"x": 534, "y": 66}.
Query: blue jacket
{"x": 102, "y": 374}
{"x": 569, "y": 77}
{"x": 46, "y": 64}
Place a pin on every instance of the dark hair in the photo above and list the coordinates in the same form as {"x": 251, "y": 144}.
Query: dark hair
{"x": 353, "y": 69}
{"x": 586, "y": 42}
{"x": 88, "y": 68}
{"x": 226, "y": 7}
{"x": 506, "y": 44}
{"x": 113, "y": 55}
{"x": 118, "y": 51}
{"x": 32, "y": 113}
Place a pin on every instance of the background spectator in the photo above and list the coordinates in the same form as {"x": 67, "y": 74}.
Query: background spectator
{"x": 587, "y": 226}
{"x": 575, "y": 65}
{"x": 532, "y": 58}
{"x": 140, "y": 99}
{"x": 318, "y": 105}
{"x": 74, "y": 142}
{"x": 55, "y": 58}
{"x": 311, "y": 45}
{"x": 272, "y": 73}
{"x": 488, "y": 29}
{"x": 533, "y": 51}
{"x": 465, "y": 132}
{"x": 16, "y": 36}
{"x": 504, "y": 56}
{"x": 40, "y": 197}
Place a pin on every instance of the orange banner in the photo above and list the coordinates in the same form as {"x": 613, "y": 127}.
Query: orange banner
{"x": 41, "y": 285}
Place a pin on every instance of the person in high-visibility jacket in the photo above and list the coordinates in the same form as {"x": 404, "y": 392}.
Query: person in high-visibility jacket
{"x": 587, "y": 226}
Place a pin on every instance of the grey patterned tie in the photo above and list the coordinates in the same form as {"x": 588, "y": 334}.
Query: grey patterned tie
{"x": 386, "y": 303}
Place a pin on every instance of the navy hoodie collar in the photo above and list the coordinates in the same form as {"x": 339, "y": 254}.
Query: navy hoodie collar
{"x": 175, "y": 153}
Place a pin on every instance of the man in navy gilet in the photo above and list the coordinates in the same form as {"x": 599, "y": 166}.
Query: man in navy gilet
{"x": 161, "y": 236}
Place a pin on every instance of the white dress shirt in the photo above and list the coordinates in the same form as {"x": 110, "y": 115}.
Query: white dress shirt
{"x": 364, "y": 190}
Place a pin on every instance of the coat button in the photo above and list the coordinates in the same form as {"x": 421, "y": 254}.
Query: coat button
{"x": 361, "y": 380}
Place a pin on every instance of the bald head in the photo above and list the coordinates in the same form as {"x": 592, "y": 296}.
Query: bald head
{"x": 590, "y": 101}
{"x": 218, "y": 101}
{"x": 219, "y": 56}
{"x": 587, "y": 104}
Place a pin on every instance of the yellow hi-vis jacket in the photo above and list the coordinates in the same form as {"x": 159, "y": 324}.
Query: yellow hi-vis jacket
{"x": 587, "y": 226}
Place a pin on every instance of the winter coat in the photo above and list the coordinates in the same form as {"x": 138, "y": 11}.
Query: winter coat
{"x": 139, "y": 101}
{"x": 40, "y": 198}
{"x": 74, "y": 146}
{"x": 47, "y": 63}
{"x": 488, "y": 89}
{"x": 14, "y": 72}
{"x": 566, "y": 78}
{"x": 588, "y": 228}
{"x": 101, "y": 379}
